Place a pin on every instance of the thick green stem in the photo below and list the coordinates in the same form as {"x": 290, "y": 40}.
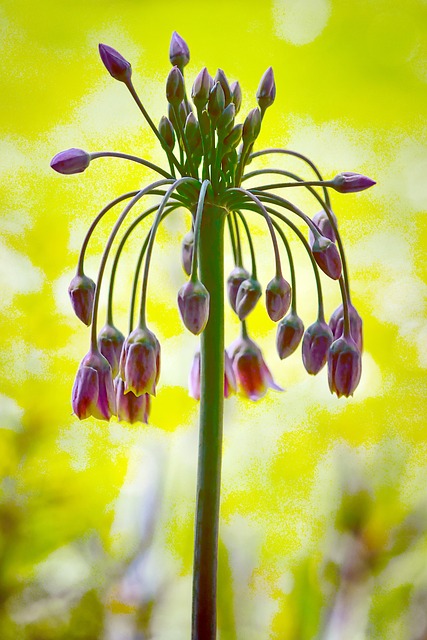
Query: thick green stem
{"x": 211, "y": 418}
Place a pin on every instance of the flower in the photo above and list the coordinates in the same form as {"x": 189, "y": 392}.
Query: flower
{"x": 322, "y": 222}
{"x": 327, "y": 257}
{"x": 193, "y": 303}
{"x": 336, "y": 324}
{"x": 315, "y": 346}
{"x": 344, "y": 366}
{"x": 289, "y": 334}
{"x": 201, "y": 88}
{"x": 93, "y": 392}
{"x": 140, "y": 362}
{"x": 70, "y": 161}
{"x": 110, "y": 343}
{"x": 117, "y": 66}
{"x": 349, "y": 182}
{"x": 81, "y": 291}
{"x": 266, "y": 92}
{"x": 194, "y": 377}
{"x": 175, "y": 90}
{"x": 252, "y": 374}
{"x": 247, "y": 296}
{"x": 131, "y": 408}
{"x": 235, "y": 279}
{"x": 278, "y": 298}
{"x": 179, "y": 53}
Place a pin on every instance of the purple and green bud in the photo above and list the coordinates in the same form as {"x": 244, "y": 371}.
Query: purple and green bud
{"x": 289, "y": 333}
{"x": 175, "y": 89}
{"x": 247, "y": 296}
{"x": 82, "y": 292}
{"x": 251, "y": 126}
{"x": 252, "y": 375}
{"x": 266, "y": 92}
{"x": 344, "y": 367}
{"x": 192, "y": 131}
{"x": 225, "y": 122}
{"x": 222, "y": 79}
{"x": 327, "y": 257}
{"x": 315, "y": 346}
{"x": 179, "y": 53}
{"x": 93, "y": 392}
{"x": 110, "y": 344}
{"x": 167, "y": 132}
{"x": 70, "y": 161}
{"x": 216, "y": 103}
{"x": 235, "y": 279}
{"x": 117, "y": 66}
{"x": 336, "y": 324}
{"x": 349, "y": 182}
{"x": 236, "y": 95}
{"x": 140, "y": 362}
{"x": 278, "y": 296}
{"x": 187, "y": 248}
{"x": 234, "y": 137}
{"x": 131, "y": 408}
{"x": 201, "y": 89}
{"x": 193, "y": 303}
{"x": 322, "y": 222}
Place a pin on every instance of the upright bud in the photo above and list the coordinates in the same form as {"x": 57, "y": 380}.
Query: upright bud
{"x": 216, "y": 102}
{"x": 201, "y": 89}
{"x": 187, "y": 248}
{"x": 266, "y": 92}
{"x": 251, "y": 126}
{"x": 235, "y": 279}
{"x": 175, "y": 90}
{"x": 192, "y": 131}
{"x": 236, "y": 95}
{"x": 82, "y": 291}
{"x": 110, "y": 343}
{"x": 247, "y": 296}
{"x": 117, "y": 66}
{"x": 140, "y": 362}
{"x": 322, "y": 222}
{"x": 234, "y": 137}
{"x": 327, "y": 257}
{"x": 289, "y": 334}
{"x": 221, "y": 78}
{"x": 193, "y": 303}
{"x": 70, "y": 161}
{"x": 344, "y": 367}
{"x": 226, "y": 121}
{"x": 179, "y": 53}
{"x": 349, "y": 182}
{"x": 278, "y": 298}
{"x": 167, "y": 132}
{"x": 315, "y": 346}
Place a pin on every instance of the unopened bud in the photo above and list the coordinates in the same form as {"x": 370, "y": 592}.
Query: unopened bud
{"x": 349, "y": 182}
{"x": 140, "y": 362}
{"x": 322, "y": 222}
{"x": 201, "y": 89}
{"x": 289, "y": 334}
{"x": 70, "y": 161}
{"x": 235, "y": 279}
{"x": 82, "y": 291}
{"x": 234, "y": 137}
{"x": 116, "y": 65}
{"x": 110, "y": 343}
{"x": 344, "y": 367}
{"x": 216, "y": 102}
{"x": 222, "y": 79}
{"x": 226, "y": 121}
{"x": 278, "y": 298}
{"x": 236, "y": 95}
{"x": 179, "y": 53}
{"x": 230, "y": 160}
{"x": 266, "y": 92}
{"x": 167, "y": 132}
{"x": 192, "y": 131}
{"x": 336, "y": 324}
{"x": 175, "y": 90}
{"x": 247, "y": 296}
{"x": 193, "y": 303}
{"x": 315, "y": 346}
{"x": 187, "y": 248}
{"x": 327, "y": 257}
{"x": 252, "y": 126}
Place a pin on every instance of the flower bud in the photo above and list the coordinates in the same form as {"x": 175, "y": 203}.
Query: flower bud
{"x": 167, "y": 132}
{"x": 201, "y": 88}
{"x": 216, "y": 102}
{"x": 252, "y": 375}
{"x": 349, "y": 182}
{"x": 327, "y": 257}
{"x": 278, "y": 298}
{"x": 236, "y": 95}
{"x": 179, "y": 53}
{"x": 247, "y": 296}
{"x": 205, "y": 127}
{"x": 82, "y": 291}
{"x": 131, "y": 408}
{"x": 221, "y": 78}
{"x": 321, "y": 221}
{"x": 110, "y": 343}
{"x": 266, "y": 92}
{"x": 194, "y": 377}
{"x": 187, "y": 248}
{"x": 175, "y": 90}
{"x": 235, "y": 279}
{"x": 93, "y": 392}
{"x": 140, "y": 362}
{"x": 336, "y": 324}
{"x": 289, "y": 334}
{"x": 251, "y": 126}
{"x": 116, "y": 65}
{"x": 70, "y": 161}
{"x": 234, "y": 137}
{"x": 193, "y": 303}
{"x": 344, "y": 367}
{"x": 192, "y": 131}
{"x": 226, "y": 121}
{"x": 229, "y": 161}
{"x": 315, "y": 346}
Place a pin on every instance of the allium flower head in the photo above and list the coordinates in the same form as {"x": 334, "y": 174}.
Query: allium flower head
{"x": 117, "y": 66}
{"x": 70, "y": 161}
{"x": 252, "y": 374}
{"x": 93, "y": 393}
{"x": 140, "y": 362}
{"x": 81, "y": 291}
{"x": 344, "y": 366}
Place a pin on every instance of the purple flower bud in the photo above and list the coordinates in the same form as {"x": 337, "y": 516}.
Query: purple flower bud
{"x": 179, "y": 53}
{"x": 234, "y": 137}
{"x": 266, "y": 92}
{"x": 187, "y": 248}
{"x": 252, "y": 375}
{"x": 167, "y": 132}
{"x": 235, "y": 279}
{"x": 315, "y": 346}
{"x": 252, "y": 126}
{"x": 93, "y": 393}
{"x": 175, "y": 90}
{"x": 193, "y": 303}
{"x": 289, "y": 334}
{"x": 216, "y": 102}
{"x": 236, "y": 95}
{"x": 321, "y": 220}
{"x": 344, "y": 367}
{"x": 194, "y": 377}
{"x": 226, "y": 121}
{"x": 349, "y": 182}
{"x": 110, "y": 344}
{"x": 70, "y": 161}
{"x": 131, "y": 408}
{"x": 192, "y": 132}
{"x": 327, "y": 257}
{"x": 140, "y": 362}
{"x": 336, "y": 324}
{"x": 278, "y": 298}
{"x": 116, "y": 65}
{"x": 201, "y": 88}
{"x": 82, "y": 292}
{"x": 222, "y": 79}
{"x": 247, "y": 296}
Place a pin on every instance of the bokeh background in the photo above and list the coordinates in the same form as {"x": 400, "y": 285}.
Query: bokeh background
{"x": 323, "y": 531}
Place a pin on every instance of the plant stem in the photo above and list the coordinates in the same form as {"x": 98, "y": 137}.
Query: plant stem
{"x": 211, "y": 251}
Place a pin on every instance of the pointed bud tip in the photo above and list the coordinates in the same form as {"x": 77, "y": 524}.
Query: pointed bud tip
{"x": 179, "y": 53}
{"x": 117, "y": 66}
{"x": 70, "y": 161}
{"x": 350, "y": 182}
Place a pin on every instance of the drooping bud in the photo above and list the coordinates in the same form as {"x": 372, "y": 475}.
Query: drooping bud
{"x": 194, "y": 377}
{"x": 349, "y": 182}
{"x": 175, "y": 90}
{"x": 117, "y": 66}
{"x": 226, "y": 121}
{"x": 82, "y": 291}
{"x": 216, "y": 102}
{"x": 187, "y": 248}
{"x": 179, "y": 53}
{"x": 327, "y": 257}
{"x": 93, "y": 392}
{"x": 140, "y": 362}
{"x": 131, "y": 408}
{"x": 234, "y": 137}
{"x": 110, "y": 343}
{"x": 336, "y": 324}
{"x": 289, "y": 334}
{"x": 236, "y": 95}
{"x": 235, "y": 279}
{"x": 193, "y": 303}
{"x": 167, "y": 132}
{"x": 192, "y": 131}
{"x": 315, "y": 346}
{"x": 322, "y": 222}
{"x": 344, "y": 367}
{"x": 251, "y": 126}
{"x": 70, "y": 161}
{"x": 253, "y": 377}
{"x": 247, "y": 296}
{"x": 266, "y": 92}
{"x": 278, "y": 298}
{"x": 201, "y": 88}
{"x": 222, "y": 79}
